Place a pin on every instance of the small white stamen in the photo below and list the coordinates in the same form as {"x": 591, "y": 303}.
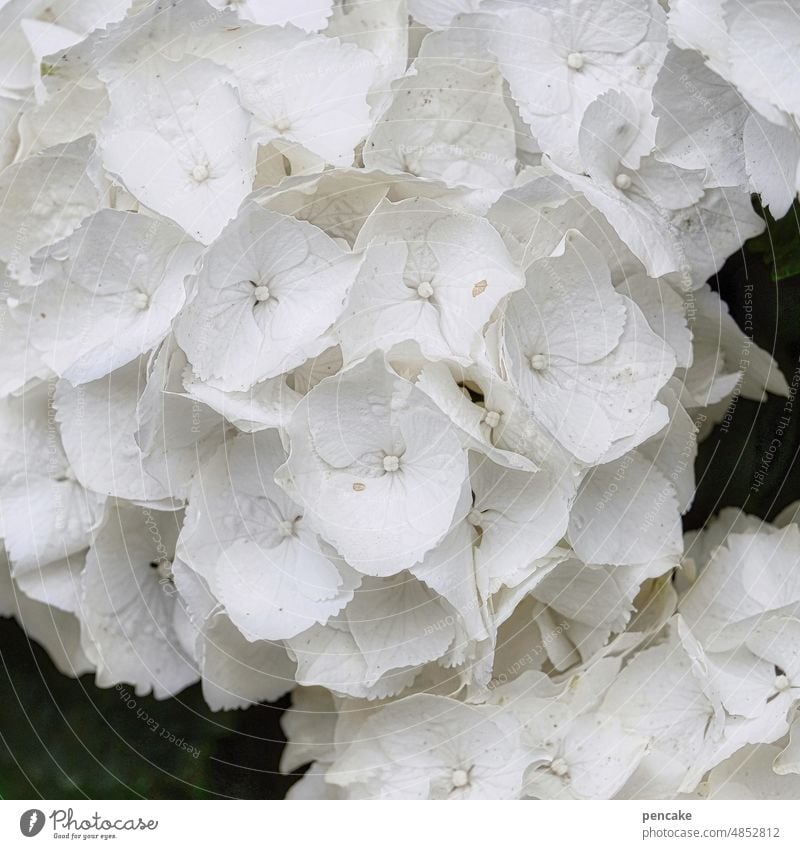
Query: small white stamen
{"x": 459, "y": 778}
{"x": 286, "y": 528}
{"x": 282, "y": 125}
{"x": 474, "y": 517}
{"x": 559, "y": 767}
{"x": 424, "y": 290}
{"x": 539, "y": 362}
{"x": 141, "y": 300}
{"x": 200, "y": 173}
{"x": 261, "y": 293}
{"x": 492, "y": 418}
{"x": 391, "y": 463}
{"x": 623, "y": 182}
{"x": 575, "y": 61}
{"x": 782, "y": 683}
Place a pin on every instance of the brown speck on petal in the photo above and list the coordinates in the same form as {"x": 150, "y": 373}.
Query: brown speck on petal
{"x": 479, "y": 288}
{"x": 359, "y": 487}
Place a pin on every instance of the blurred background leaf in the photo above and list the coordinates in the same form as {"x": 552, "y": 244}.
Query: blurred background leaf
{"x": 761, "y": 295}
{"x": 778, "y": 247}
{"x": 65, "y": 738}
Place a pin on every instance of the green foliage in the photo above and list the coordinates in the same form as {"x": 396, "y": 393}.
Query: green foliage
{"x": 762, "y": 295}
{"x": 65, "y": 738}
{"x": 778, "y": 246}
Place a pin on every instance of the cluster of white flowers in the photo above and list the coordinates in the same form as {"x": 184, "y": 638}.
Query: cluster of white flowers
{"x": 359, "y": 348}
{"x": 695, "y": 697}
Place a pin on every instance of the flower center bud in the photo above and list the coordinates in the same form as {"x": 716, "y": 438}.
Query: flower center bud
{"x": 622, "y": 182}
{"x": 141, "y": 300}
{"x": 575, "y": 61}
{"x": 261, "y": 293}
{"x": 425, "y": 290}
{"x": 781, "y": 683}
{"x": 391, "y": 463}
{"x": 200, "y": 173}
{"x": 559, "y": 767}
{"x": 286, "y": 528}
{"x": 459, "y": 778}
{"x": 539, "y": 362}
{"x": 492, "y": 418}
{"x": 474, "y": 517}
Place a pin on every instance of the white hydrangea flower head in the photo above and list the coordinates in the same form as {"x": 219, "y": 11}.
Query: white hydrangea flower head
{"x": 236, "y": 673}
{"x": 302, "y": 90}
{"x": 107, "y": 294}
{"x": 267, "y": 295}
{"x": 571, "y": 344}
{"x": 46, "y": 513}
{"x": 254, "y": 547}
{"x": 129, "y": 609}
{"x": 639, "y": 201}
{"x": 429, "y": 275}
{"x": 425, "y": 747}
{"x": 44, "y": 198}
{"x": 186, "y": 117}
{"x": 449, "y": 121}
{"x": 580, "y": 51}
{"x": 377, "y": 466}
{"x": 361, "y": 350}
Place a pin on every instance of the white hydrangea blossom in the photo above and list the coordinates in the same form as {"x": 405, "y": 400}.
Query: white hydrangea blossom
{"x": 358, "y": 350}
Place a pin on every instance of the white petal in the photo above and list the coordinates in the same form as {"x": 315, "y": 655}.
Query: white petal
{"x": 626, "y": 512}
{"x": 186, "y": 117}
